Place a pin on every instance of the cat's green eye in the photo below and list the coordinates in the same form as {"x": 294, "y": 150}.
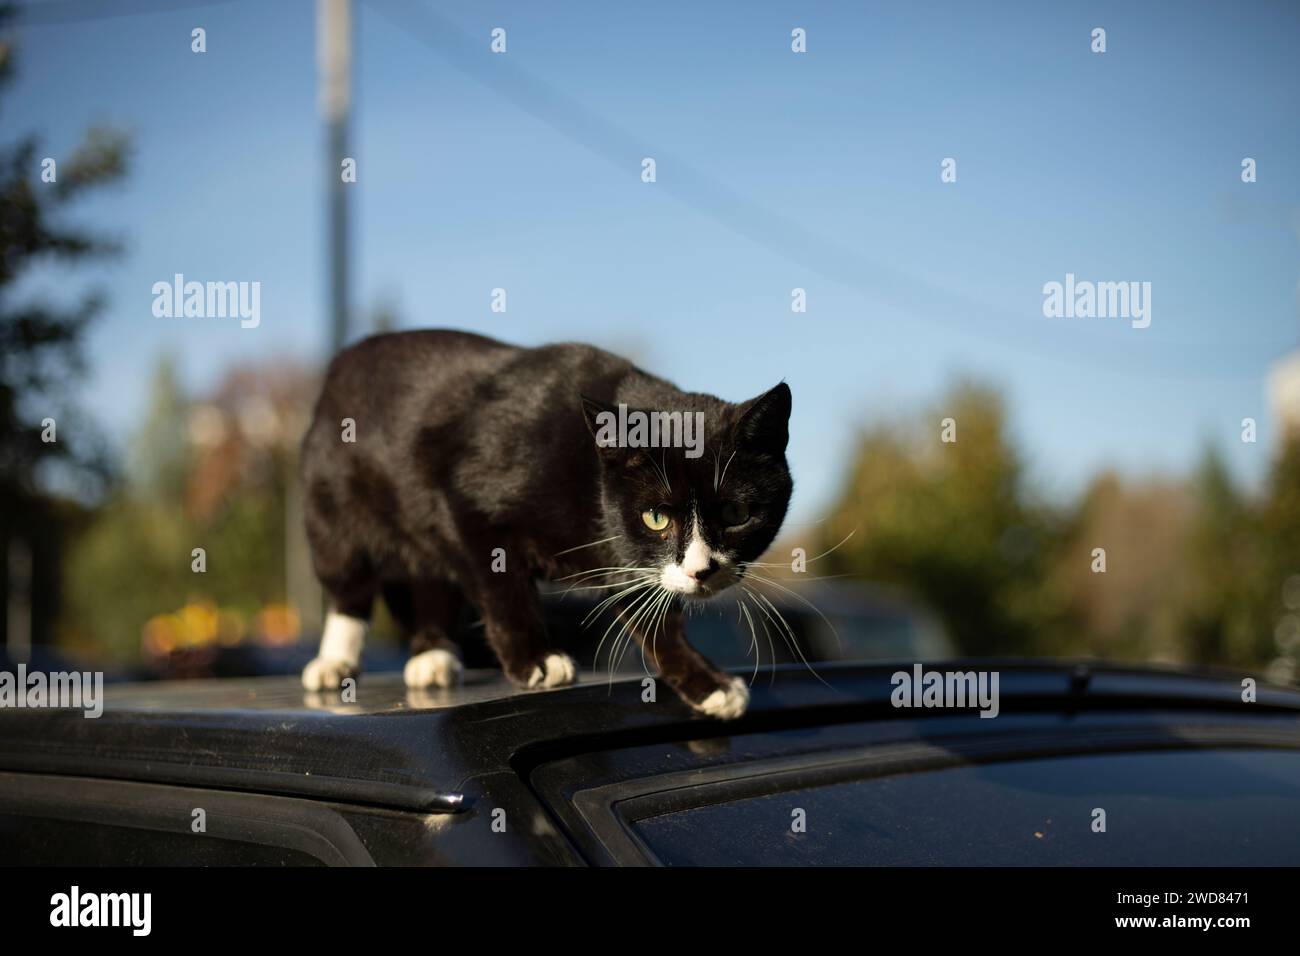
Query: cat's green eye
{"x": 734, "y": 514}
{"x": 654, "y": 519}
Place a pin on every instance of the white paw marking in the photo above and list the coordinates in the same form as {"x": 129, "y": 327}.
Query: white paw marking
{"x": 344, "y": 637}
{"x": 559, "y": 669}
{"x": 726, "y": 703}
{"x": 435, "y": 668}
{"x": 326, "y": 673}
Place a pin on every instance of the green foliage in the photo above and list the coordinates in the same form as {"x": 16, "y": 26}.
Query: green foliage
{"x": 40, "y": 354}
{"x": 1197, "y": 573}
{"x": 1280, "y": 536}
{"x": 949, "y": 521}
{"x": 129, "y": 565}
{"x": 160, "y": 458}
{"x": 135, "y": 559}
{"x": 1224, "y": 617}
{"x": 40, "y": 338}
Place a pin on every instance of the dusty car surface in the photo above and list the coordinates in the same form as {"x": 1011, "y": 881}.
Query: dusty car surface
{"x": 825, "y": 768}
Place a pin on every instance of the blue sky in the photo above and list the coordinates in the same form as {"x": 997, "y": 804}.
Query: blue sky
{"x": 775, "y": 171}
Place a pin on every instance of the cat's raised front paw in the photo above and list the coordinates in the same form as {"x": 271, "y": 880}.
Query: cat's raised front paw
{"x": 554, "y": 671}
{"x": 727, "y": 702}
{"x": 433, "y": 668}
{"x": 326, "y": 673}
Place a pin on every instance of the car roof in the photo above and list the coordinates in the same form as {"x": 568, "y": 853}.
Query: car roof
{"x": 419, "y": 750}
{"x": 379, "y": 693}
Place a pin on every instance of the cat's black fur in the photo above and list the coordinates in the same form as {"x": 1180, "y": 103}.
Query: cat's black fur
{"x": 464, "y": 445}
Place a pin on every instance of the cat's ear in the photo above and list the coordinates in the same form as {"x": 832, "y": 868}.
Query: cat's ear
{"x": 602, "y": 422}
{"x": 764, "y": 423}
{"x": 597, "y": 415}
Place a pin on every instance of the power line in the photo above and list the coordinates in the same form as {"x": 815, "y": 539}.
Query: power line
{"x": 787, "y": 237}
{"x": 77, "y": 11}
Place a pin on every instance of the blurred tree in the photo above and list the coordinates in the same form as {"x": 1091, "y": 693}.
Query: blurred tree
{"x": 44, "y": 444}
{"x": 159, "y": 460}
{"x": 1195, "y": 572}
{"x": 950, "y": 523}
{"x": 1133, "y": 609}
{"x": 40, "y": 339}
{"x": 1279, "y": 589}
{"x": 212, "y": 473}
{"x": 1223, "y": 620}
{"x": 133, "y": 558}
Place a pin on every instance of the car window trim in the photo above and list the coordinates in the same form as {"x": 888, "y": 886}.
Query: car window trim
{"x": 305, "y": 826}
{"x": 611, "y": 811}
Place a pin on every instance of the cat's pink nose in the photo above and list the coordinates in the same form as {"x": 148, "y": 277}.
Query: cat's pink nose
{"x": 703, "y": 574}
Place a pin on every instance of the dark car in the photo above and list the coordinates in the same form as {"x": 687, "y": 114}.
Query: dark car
{"x": 1082, "y": 765}
{"x": 822, "y": 621}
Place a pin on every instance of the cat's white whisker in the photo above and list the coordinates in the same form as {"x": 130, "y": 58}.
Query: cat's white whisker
{"x": 786, "y": 564}
{"x": 771, "y": 648}
{"x": 780, "y": 633}
{"x": 723, "y": 481}
{"x": 634, "y": 586}
{"x": 633, "y": 597}
{"x": 631, "y": 632}
{"x": 665, "y": 605}
{"x": 610, "y": 570}
{"x": 641, "y": 621}
{"x": 753, "y": 639}
{"x": 791, "y": 640}
{"x": 650, "y": 617}
{"x": 662, "y": 471}
{"x": 589, "y": 544}
{"x": 585, "y": 577}
{"x": 645, "y": 625}
{"x": 628, "y": 615}
{"x": 628, "y": 576}
{"x": 624, "y": 625}
{"x": 597, "y": 587}
{"x": 764, "y": 579}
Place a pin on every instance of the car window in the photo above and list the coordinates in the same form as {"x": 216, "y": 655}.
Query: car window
{"x": 80, "y": 843}
{"x": 93, "y": 822}
{"x": 1193, "y": 807}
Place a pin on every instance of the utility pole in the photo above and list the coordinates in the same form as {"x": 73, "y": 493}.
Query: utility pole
{"x": 334, "y": 78}
{"x": 334, "y": 64}
{"x": 19, "y": 601}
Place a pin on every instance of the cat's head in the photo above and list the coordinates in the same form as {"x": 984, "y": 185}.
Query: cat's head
{"x": 698, "y": 491}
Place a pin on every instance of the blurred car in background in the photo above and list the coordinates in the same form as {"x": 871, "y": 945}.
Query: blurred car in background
{"x": 823, "y": 621}
{"x": 826, "y": 622}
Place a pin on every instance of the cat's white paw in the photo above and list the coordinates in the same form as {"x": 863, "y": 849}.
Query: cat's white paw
{"x": 435, "y": 668}
{"x": 556, "y": 670}
{"x": 726, "y": 703}
{"x": 326, "y": 673}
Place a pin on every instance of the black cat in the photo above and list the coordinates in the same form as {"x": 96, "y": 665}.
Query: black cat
{"x": 443, "y": 466}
